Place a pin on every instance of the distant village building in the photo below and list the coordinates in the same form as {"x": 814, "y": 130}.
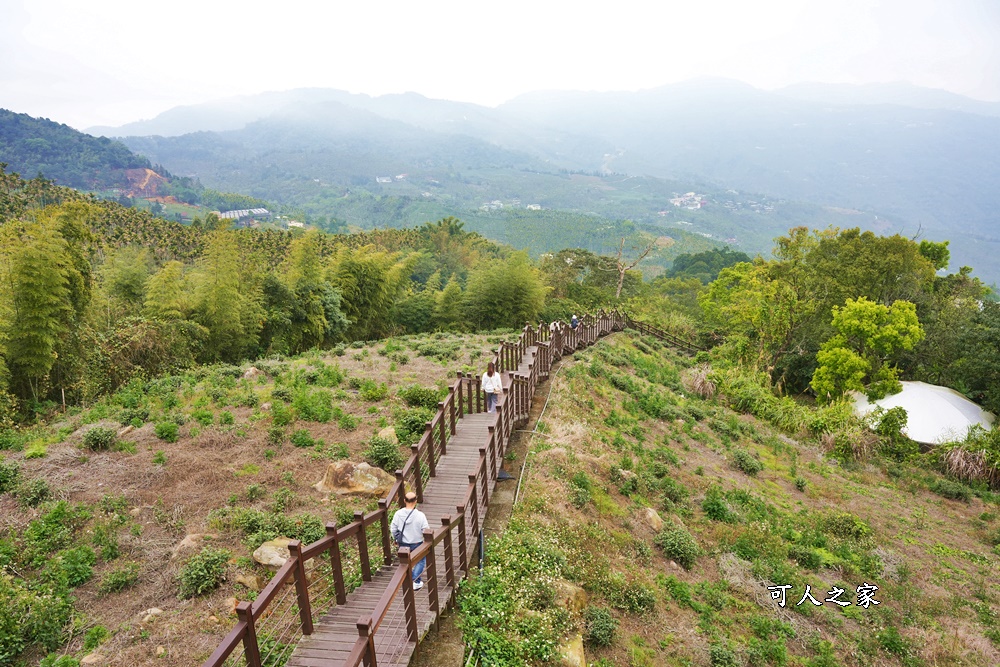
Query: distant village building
{"x": 383, "y": 179}
{"x": 293, "y": 223}
{"x": 690, "y": 201}
{"x": 533, "y": 207}
{"x": 245, "y": 214}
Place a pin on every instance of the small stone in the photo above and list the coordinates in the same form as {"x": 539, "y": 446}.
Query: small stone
{"x": 213, "y": 619}
{"x": 135, "y": 511}
{"x": 673, "y": 565}
{"x": 151, "y": 614}
{"x": 569, "y": 596}
{"x": 251, "y": 373}
{"x": 125, "y": 431}
{"x": 251, "y": 581}
{"x": 231, "y": 604}
{"x": 191, "y": 542}
{"x": 161, "y": 651}
{"x": 92, "y": 659}
{"x": 265, "y": 407}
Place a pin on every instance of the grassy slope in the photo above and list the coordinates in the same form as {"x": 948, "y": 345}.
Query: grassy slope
{"x": 802, "y": 519}
{"x": 152, "y": 506}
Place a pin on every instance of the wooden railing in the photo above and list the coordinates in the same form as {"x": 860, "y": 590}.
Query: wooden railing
{"x": 665, "y": 336}
{"x": 317, "y": 576}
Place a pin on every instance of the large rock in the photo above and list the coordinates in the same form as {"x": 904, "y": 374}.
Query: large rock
{"x": 273, "y": 553}
{"x": 345, "y": 478}
{"x": 389, "y": 433}
{"x": 572, "y": 653}
{"x": 251, "y": 373}
{"x": 569, "y": 596}
{"x": 652, "y": 519}
{"x": 92, "y": 660}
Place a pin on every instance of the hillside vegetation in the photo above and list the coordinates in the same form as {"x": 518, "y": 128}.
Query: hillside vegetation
{"x": 676, "y": 513}
{"x": 155, "y": 497}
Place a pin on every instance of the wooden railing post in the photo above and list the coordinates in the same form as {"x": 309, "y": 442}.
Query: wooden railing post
{"x": 383, "y": 506}
{"x": 301, "y": 587}
{"x": 451, "y": 412}
{"x": 409, "y": 602}
{"x": 401, "y": 492}
{"x": 491, "y": 449}
{"x": 251, "y": 651}
{"x": 449, "y": 556}
{"x": 461, "y": 394}
{"x": 431, "y": 570}
{"x": 429, "y": 432}
{"x": 366, "y": 567}
{"x": 479, "y": 394}
{"x": 417, "y": 473}
{"x": 484, "y": 455}
{"x": 335, "y": 564}
{"x": 463, "y": 553}
{"x": 474, "y": 510}
{"x": 365, "y": 633}
{"x": 443, "y": 425}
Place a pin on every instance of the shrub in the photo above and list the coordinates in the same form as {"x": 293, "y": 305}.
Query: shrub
{"x": 119, "y": 579}
{"x": 747, "y": 462}
{"x": 276, "y": 435}
{"x": 313, "y": 405}
{"x": 679, "y": 545}
{"x": 410, "y": 424}
{"x": 301, "y": 438}
{"x": 282, "y": 415}
{"x": 384, "y": 453}
{"x": 722, "y": 655}
{"x": 420, "y": 397}
{"x": 167, "y": 431}
{"x": 10, "y": 475}
{"x": 226, "y": 418}
{"x": 629, "y": 596}
{"x": 203, "y": 417}
{"x": 715, "y": 506}
{"x": 952, "y": 490}
{"x": 100, "y": 438}
{"x": 34, "y": 493}
{"x": 78, "y": 565}
{"x": 581, "y": 489}
{"x": 601, "y": 626}
{"x": 94, "y": 637}
{"x": 372, "y": 391}
{"x": 203, "y": 572}
{"x": 56, "y": 660}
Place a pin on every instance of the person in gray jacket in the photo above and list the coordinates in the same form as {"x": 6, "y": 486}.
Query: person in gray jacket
{"x": 408, "y": 525}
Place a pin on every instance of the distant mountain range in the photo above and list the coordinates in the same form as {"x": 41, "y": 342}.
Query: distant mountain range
{"x": 897, "y": 157}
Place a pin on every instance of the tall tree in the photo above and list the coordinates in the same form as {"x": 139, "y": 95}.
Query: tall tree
{"x": 505, "y": 293}
{"x": 36, "y": 280}
{"x": 220, "y": 303}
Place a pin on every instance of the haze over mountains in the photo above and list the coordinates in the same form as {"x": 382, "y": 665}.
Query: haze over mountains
{"x": 905, "y": 159}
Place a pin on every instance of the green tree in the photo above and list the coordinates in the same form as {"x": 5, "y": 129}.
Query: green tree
{"x": 369, "y": 281}
{"x": 220, "y": 303}
{"x": 36, "y": 282}
{"x": 505, "y": 293}
{"x": 448, "y": 305}
{"x": 315, "y": 315}
{"x": 869, "y": 335}
{"x": 166, "y": 295}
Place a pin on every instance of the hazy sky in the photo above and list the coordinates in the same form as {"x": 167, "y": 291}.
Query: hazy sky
{"x": 115, "y": 61}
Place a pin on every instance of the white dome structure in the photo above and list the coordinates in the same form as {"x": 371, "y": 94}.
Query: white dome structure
{"x": 935, "y": 414}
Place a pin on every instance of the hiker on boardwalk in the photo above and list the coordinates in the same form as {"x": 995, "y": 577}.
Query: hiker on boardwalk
{"x": 408, "y": 525}
{"x": 492, "y": 386}
{"x": 574, "y": 322}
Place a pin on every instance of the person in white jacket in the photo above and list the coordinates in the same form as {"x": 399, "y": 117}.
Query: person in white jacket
{"x": 407, "y": 527}
{"x": 492, "y": 386}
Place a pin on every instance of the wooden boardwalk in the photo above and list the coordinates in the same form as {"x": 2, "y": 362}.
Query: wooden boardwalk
{"x": 305, "y": 617}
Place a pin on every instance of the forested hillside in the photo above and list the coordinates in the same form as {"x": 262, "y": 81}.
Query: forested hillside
{"x": 33, "y": 146}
